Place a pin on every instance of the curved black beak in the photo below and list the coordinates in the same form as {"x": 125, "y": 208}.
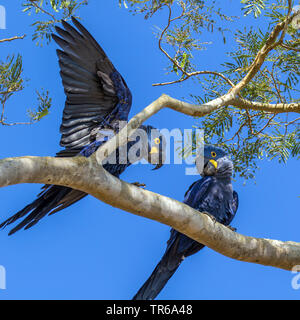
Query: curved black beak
{"x": 210, "y": 167}
{"x": 158, "y": 166}
{"x": 158, "y": 154}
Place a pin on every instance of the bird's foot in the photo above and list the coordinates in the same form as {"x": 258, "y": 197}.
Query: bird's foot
{"x": 211, "y": 216}
{"x": 140, "y": 185}
{"x": 232, "y": 228}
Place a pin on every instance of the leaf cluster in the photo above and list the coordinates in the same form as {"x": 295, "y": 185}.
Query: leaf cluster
{"x": 55, "y": 10}
{"x": 247, "y": 135}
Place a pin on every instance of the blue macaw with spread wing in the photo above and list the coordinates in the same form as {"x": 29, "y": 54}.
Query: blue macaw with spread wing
{"x": 97, "y": 100}
{"x": 213, "y": 195}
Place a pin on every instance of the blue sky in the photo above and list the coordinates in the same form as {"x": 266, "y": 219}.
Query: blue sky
{"x": 94, "y": 251}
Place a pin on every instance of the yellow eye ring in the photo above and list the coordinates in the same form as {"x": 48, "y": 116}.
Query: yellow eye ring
{"x": 213, "y": 154}
{"x": 157, "y": 141}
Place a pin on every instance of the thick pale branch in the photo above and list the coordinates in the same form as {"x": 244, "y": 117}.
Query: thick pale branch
{"x": 163, "y": 101}
{"x": 269, "y": 107}
{"x": 166, "y": 101}
{"x": 86, "y": 175}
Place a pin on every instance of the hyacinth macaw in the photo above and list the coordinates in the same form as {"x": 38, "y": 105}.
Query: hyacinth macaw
{"x": 97, "y": 101}
{"x": 213, "y": 194}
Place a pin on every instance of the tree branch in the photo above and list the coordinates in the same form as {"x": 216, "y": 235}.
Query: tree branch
{"x": 163, "y": 101}
{"x": 272, "y": 42}
{"x": 262, "y": 54}
{"x": 192, "y": 74}
{"x": 42, "y": 9}
{"x": 13, "y": 38}
{"x": 268, "y": 107}
{"x": 166, "y": 101}
{"x": 185, "y": 75}
{"x": 86, "y": 175}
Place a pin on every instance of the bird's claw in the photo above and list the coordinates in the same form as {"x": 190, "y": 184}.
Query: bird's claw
{"x": 140, "y": 185}
{"x": 232, "y": 228}
{"x": 211, "y": 216}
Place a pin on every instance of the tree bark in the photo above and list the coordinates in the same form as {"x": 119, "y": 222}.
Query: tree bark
{"x": 86, "y": 175}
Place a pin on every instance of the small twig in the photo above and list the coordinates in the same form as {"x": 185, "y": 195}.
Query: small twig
{"x": 13, "y": 38}
{"x": 249, "y": 121}
{"x": 163, "y": 33}
{"x": 2, "y": 118}
{"x": 275, "y": 84}
{"x": 2, "y": 113}
{"x": 33, "y": 2}
{"x": 196, "y": 73}
{"x": 16, "y": 123}
{"x": 290, "y": 48}
{"x": 266, "y": 125}
{"x": 170, "y": 82}
{"x": 291, "y": 122}
{"x": 187, "y": 75}
{"x": 237, "y": 133}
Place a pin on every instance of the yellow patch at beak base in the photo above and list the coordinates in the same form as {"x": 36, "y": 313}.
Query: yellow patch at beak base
{"x": 214, "y": 163}
{"x": 153, "y": 150}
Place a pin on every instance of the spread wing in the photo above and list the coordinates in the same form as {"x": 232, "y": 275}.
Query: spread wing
{"x": 96, "y": 93}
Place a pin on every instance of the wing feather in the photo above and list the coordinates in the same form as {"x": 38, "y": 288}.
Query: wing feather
{"x": 197, "y": 191}
{"x": 92, "y": 85}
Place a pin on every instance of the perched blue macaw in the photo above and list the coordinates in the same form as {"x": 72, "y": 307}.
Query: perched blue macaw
{"x": 97, "y": 100}
{"x": 213, "y": 195}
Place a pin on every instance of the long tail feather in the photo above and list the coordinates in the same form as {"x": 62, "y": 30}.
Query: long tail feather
{"x": 52, "y": 199}
{"x": 179, "y": 247}
{"x": 159, "y": 277}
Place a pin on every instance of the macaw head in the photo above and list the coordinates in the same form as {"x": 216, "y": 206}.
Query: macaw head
{"x": 155, "y": 148}
{"x": 216, "y": 161}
